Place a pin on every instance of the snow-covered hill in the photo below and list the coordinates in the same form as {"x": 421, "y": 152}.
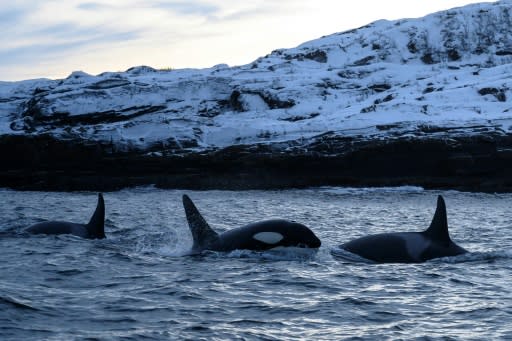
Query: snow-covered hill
{"x": 451, "y": 68}
{"x": 448, "y": 73}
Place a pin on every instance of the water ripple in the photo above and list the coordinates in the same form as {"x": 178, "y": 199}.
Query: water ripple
{"x": 138, "y": 285}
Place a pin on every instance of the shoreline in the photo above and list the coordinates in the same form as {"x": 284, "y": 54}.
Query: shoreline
{"x": 481, "y": 163}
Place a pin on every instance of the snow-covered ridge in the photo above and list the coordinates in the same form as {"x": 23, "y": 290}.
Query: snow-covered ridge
{"x": 389, "y": 78}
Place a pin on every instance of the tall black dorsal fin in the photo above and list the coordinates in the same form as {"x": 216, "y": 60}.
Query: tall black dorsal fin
{"x": 96, "y": 226}
{"x": 202, "y": 234}
{"x": 438, "y": 229}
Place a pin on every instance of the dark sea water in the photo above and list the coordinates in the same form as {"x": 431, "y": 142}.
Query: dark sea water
{"x": 137, "y": 285}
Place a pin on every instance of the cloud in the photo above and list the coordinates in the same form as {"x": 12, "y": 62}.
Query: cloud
{"x": 98, "y": 35}
{"x": 11, "y": 16}
{"x": 48, "y": 51}
{"x": 177, "y": 33}
{"x": 47, "y": 33}
{"x": 71, "y": 32}
{"x": 91, "y": 6}
{"x": 187, "y": 7}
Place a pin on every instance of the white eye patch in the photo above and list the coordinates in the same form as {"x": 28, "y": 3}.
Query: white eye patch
{"x": 268, "y": 237}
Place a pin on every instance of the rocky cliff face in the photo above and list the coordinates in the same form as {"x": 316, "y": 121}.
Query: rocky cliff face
{"x": 418, "y": 101}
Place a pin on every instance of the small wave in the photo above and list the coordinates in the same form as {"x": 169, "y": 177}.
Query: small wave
{"x": 12, "y": 230}
{"x": 252, "y": 322}
{"x": 384, "y": 316}
{"x": 363, "y": 190}
{"x": 16, "y": 303}
{"x": 70, "y": 272}
{"x": 198, "y": 328}
{"x": 357, "y": 301}
{"x": 476, "y": 257}
{"x": 120, "y": 319}
{"x": 341, "y": 254}
{"x": 277, "y": 254}
{"x": 143, "y": 189}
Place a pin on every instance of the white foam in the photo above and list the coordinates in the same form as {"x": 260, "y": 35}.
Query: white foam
{"x": 278, "y": 253}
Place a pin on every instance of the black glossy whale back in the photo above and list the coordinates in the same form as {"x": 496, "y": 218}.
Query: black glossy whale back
{"x": 259, "y": 236}
{"x": 95, "y": 229}
{"x": 408, "y": 247}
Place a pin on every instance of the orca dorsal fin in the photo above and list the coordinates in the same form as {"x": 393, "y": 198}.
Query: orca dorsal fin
{"x": 438, "y": 229}
{"x": 96, "y": 226}
{"x": 202, "y": 233}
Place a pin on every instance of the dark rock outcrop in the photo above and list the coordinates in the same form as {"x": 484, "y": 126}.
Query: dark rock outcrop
{"x": 476, "y": 163}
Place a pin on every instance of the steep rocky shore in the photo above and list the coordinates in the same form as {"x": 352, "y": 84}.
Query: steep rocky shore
{"x": 471, "y": 163}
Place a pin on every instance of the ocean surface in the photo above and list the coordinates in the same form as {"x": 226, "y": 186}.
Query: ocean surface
{"x": 138, "y": 284}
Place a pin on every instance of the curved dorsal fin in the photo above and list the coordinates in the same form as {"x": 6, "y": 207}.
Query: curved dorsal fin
{"x": 96, "y": 226}
{"x": 202, "y": 233}
{"x": 438, "y": 229}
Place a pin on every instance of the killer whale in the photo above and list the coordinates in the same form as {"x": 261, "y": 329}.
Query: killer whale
{"x": 258, "y": 236}
{"x": 408, "y": 247}
{"x": 95, "y": 229}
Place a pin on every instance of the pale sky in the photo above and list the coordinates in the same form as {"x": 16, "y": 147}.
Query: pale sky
{"x": 52, "y": 38}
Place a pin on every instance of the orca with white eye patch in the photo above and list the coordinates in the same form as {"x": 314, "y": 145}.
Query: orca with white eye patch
{"x": 258, "y": 236}
{"x": 407, "y": 247}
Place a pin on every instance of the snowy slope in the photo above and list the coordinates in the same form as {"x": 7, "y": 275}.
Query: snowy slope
{"x": 448, "y": 70}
